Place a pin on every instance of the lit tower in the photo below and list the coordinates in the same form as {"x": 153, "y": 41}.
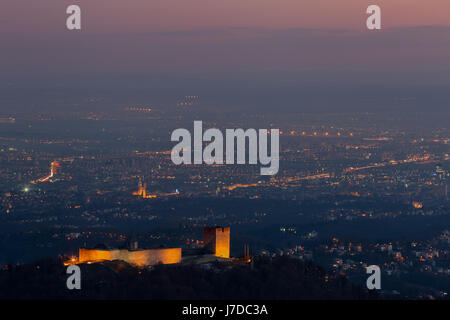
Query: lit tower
{"x": 142, "y": 191}
{"x": 217, "y": 241}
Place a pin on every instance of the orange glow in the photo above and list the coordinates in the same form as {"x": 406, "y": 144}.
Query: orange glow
{"x": 137, "y": 257}
{"x": 417, "y": 204}
{"x": 217, "y": 240}
{"x": 53, "y": 170}
{"x": 235, "y": 186}
{"x": 142, "y": 191}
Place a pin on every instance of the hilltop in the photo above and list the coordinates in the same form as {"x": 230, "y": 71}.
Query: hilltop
{"x": 281, "y": 278}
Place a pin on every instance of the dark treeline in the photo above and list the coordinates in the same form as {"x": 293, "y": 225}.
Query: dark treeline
{"x": 281, "y": 278}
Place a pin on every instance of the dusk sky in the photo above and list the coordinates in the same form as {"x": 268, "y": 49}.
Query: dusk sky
{"x": 295, "y": 41}
{"x": 116, "y": 16}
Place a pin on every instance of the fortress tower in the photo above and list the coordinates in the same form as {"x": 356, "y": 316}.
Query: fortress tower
{"x": 217, "y": 241}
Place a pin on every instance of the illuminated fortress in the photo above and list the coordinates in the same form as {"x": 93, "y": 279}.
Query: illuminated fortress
{"x": 139, "y": 257}
{"x": 216, "y": 245}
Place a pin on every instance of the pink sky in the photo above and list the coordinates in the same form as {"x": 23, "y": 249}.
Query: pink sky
{"x": 148, "y": 36}
{"x": 109, "y": 16}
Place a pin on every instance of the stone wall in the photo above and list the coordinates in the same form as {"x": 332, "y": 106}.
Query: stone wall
{"x": 137, "y": 257}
